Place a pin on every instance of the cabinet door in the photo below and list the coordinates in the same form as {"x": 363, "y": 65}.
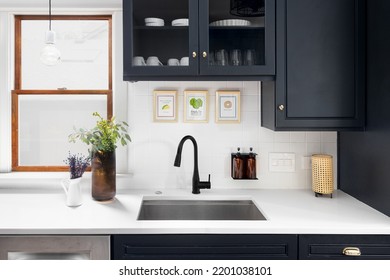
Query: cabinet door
{"x": 237, "y": 42}
{"x": 339, "y": 247}
{"x": 320, "y": 79}
{"x": 203, "y": 246}
{"x": 144, "y": 37}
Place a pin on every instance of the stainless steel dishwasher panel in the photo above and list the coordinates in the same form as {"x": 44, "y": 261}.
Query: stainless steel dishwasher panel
{"x": 55, "y": 247}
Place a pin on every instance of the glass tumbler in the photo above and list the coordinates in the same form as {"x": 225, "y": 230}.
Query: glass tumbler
{"x": 235, "y": 57}
{"x": 249, "y": 57}
{"x": 221, "y": 57}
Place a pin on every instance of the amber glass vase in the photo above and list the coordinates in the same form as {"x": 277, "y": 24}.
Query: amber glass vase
{"x": 103, "y": 167}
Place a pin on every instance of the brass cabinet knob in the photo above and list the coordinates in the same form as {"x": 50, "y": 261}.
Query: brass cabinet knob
{"x": 281, "y": 107}
{"x": 351, "y": 251}
{"x": 193, "y": 54}
{"x": 204, "y": 54}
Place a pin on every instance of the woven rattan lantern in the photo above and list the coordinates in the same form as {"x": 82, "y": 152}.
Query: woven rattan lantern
{"x": 322, "y": 173}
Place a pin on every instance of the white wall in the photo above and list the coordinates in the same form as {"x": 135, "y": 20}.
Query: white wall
{"x": 154, "y": 145}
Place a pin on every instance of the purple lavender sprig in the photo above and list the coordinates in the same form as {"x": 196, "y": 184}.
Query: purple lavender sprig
{"x": 77, "y": 164}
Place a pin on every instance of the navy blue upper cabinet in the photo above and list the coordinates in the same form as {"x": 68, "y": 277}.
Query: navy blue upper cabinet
{"x": 215, "y": 43}
{"x": 320, "y": 77}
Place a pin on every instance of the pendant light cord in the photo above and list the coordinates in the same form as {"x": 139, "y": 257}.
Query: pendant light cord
{"x": 50, "y": 15}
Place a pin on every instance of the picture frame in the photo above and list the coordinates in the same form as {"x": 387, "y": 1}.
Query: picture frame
{"x": 227, "y": 106}
{"x": 165, "y": 106}
{"x": 196, "y": 106}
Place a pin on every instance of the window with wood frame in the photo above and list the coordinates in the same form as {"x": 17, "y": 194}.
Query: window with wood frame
{"x": 48, "y": 102}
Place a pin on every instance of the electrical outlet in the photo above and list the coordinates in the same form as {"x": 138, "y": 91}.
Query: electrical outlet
{"x": 281, "y": 162}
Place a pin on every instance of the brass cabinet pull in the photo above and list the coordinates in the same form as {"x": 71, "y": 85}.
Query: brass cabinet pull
{"x": 193, "y": 54}
{"x": 281, "y": 107}
{"x": 204, "y": 54}
{"x": 351, "y": 251}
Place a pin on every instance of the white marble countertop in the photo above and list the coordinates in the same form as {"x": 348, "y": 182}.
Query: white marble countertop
{"x": 35, "y": 210}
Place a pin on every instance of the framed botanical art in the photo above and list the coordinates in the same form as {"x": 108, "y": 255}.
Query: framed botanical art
{"x": 165, "y": 106}
{"x": 227, "y": 106}
{"x": 196, "y": 106}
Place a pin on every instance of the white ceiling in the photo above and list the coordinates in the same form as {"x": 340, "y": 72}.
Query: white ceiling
{"x": 61, "y": 4}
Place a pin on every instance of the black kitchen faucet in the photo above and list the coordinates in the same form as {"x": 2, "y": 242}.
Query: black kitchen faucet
{"x": 196, "y": 183}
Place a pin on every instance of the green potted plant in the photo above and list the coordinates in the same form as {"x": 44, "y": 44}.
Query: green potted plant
{"x": 103, "y": 139}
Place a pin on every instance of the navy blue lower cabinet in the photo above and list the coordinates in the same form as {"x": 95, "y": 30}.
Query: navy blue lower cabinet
{"x": 344, "y": 247}
{"x": 203, "y": 246}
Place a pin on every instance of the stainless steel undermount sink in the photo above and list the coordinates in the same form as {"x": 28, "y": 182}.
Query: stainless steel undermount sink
{"x": 199, "y": 210}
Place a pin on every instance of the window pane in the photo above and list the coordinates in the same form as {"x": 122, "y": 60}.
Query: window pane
{"x": 84, "y": 55}
{"x": 45, "y": 121}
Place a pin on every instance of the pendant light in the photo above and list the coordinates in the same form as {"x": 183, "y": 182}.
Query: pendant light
{"x": 247, "y": 8}
{"x": 50, "y": 55}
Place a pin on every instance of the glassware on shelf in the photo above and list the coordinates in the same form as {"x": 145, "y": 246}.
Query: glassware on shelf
{"x": 249, "y": 57}
{"x": 212, "y": 58}
{"x": 235, "y": 57}
{"x": 221, "y": 57}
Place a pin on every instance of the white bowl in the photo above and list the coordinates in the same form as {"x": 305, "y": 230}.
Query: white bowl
{"x": 154, "y": 20}
{"x": 180, "y": 22}
{"x": 231, "y": 22}
{"x": 241, "y": 22}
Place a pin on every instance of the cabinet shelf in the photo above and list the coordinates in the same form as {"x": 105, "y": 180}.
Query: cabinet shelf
{"x": 225, "y": 28}
{"x": 159, "y": 28}
{"x": 236, "y": 27}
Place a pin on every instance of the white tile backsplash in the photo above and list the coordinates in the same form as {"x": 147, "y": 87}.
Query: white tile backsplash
{"x": 297, "y": 137}
{"x": 154, "y": 145}
{"x": 329, "y": 137}
{"x": 313, "y": 136}
{"x": 282, "y": 137}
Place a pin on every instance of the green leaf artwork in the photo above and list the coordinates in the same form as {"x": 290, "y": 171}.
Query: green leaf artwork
{"x": 196, "y": 103}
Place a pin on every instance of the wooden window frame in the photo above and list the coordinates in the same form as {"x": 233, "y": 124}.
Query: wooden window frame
{"x": 19, "y": 91}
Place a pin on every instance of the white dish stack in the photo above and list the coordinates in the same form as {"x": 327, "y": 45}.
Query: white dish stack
{"x": 154, "y": 22}
{"x": 180, "y": 22}
{"x": 231, "y": 22}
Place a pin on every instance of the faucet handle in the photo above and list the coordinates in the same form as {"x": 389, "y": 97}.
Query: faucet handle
{"x": 205, "y": 184}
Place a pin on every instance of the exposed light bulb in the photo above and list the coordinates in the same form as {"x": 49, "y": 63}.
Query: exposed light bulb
{"x": 50, "y": 55}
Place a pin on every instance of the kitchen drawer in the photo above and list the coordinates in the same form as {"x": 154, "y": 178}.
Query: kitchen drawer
{"x": 332, "y": 247}
{"x": 203, "y": 246}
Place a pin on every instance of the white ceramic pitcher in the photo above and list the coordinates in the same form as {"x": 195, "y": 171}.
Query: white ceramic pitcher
{"x": 72, "y": 189}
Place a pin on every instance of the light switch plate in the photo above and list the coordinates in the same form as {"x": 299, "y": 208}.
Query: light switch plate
{"x": 281, "y": 162}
